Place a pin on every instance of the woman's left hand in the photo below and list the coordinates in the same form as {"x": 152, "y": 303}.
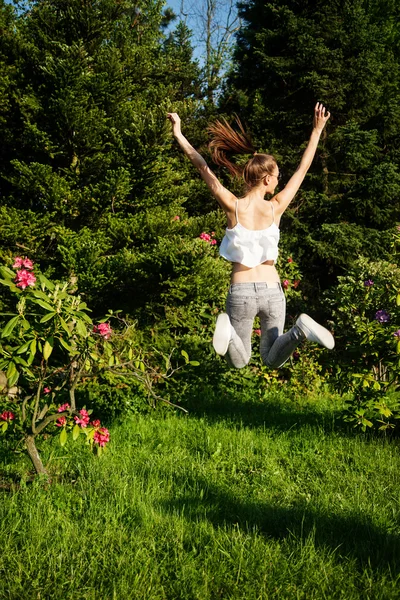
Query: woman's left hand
{"x": 176, "y": 122}
{"x": 320, "y": 117}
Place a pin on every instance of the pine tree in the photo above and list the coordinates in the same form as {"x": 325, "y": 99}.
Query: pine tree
{"x": 93, "y": 182}
{"x": 290, "y": 55}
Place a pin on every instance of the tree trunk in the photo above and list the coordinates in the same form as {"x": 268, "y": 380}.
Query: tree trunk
{"x": 34, "y": 455}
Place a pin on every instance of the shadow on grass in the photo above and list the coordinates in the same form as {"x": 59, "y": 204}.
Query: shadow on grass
{"x": 350, "y": 535}
{"x": 275, "y": 412}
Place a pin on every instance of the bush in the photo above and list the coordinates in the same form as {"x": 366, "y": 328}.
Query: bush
{"x": 366, "y": 313}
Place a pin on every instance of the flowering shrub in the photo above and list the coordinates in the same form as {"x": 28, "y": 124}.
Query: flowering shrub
{"x": 366, "y": 361}
{"x": 46, "y": 349}
{"x": 382, "y": 316}
{"x": 208, "y": 237}
{"x": 290, "y": 278}
{"x": 103, "y": 329}
{"x": 95, "y": 434}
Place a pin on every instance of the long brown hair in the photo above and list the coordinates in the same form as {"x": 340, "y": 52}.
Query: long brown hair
{"x": 226, "y": 142}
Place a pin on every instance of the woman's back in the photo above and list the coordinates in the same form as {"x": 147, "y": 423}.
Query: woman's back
{"x": 254, "y": 214}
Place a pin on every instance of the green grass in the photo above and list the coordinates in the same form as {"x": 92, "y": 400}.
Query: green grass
{"x": 241, "y": 499}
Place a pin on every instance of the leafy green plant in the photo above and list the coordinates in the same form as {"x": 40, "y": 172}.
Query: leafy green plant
{"x": 366, "y": 311}
{"x": 48, "y": 347}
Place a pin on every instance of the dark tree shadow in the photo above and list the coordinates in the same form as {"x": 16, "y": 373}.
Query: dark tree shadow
{"x": 273, "y": 412}
{"x": 350, "y": 535}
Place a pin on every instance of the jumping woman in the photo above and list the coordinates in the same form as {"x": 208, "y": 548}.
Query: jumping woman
{"x": 251, "y": 244}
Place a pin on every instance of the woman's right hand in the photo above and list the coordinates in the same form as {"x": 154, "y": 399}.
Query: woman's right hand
{"x": 320, "y": 117}
{"x": 176, "y": 123}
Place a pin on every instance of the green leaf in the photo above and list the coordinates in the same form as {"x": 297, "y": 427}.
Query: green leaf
{"x": 42, "y": 295}
{"x": 10, "y": 369}
{"x": 47, "y": 317}
{"x": 185, "y": 355}
{"x": 398, "y": 300}
{"x": 25, "y": 324}
{"x": 64, "y": 344}
{"x": 6, "y": 272}
{"x": 194, "y": 363}
{"x": 46, "y": 283}
{"x": 29, "y": 373}
{"x": 75, "y": 432}
{"x": 111, "y": 360}
{"x": 63, "y": 436}
{"x": 9, "y": 327}
{"x": 44, "y": 305}
{"x": 13, "y": 377}
{"x": 48, "y": 348}
{"x": 90, "y": 433}
{"x": 11, "y": 285}
{"x": 4, "y": 426}
{"x": 20, "y": 361}
{"x": 33, "y": 346}
{"x": 33, "y": 352}
{"x": 81, "y": 329}
{"x": 64, "y": 325}
{"x": 84, "y": 316}
{"x": 24, "y": 347}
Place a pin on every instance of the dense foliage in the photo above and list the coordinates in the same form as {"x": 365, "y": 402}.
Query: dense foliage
{"x": 93, "y": 188}
{"x": 290, "y": 54}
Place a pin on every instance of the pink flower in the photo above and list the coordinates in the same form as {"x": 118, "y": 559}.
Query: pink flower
{"x": 285, "y": 283}
{"x": 290, "y": 259}
{"x": 296, "y": 283}
{"x": 7, "y": 416}
{"x": 19, "y": 262}
{"x": 257, "y": 331}
{"x": 102, "y": 436}
{"x": 95, "y": 423}
{"x": 176, "y": 218}
{"x": 104, "y": 329}
{"x": 46, "y": 390}
{"x": 83, "y": 421}
{"x": 61, "y": 421}
{"x": 208, "y": 238}
{"x": 63, "y": 407}
{"x": 24, "y": 279}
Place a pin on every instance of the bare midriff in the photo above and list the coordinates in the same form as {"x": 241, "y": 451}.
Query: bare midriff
{"x": 264, "y": 272}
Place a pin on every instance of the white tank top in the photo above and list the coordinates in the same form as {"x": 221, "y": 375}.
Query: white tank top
{"x": 250, "y": 247}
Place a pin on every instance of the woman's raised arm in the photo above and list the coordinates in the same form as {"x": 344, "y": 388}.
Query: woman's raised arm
{"x": 285, "y": 197}
{"x": 224, "y": 197}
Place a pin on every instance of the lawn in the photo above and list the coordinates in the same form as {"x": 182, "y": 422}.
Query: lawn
{"x": 240, "y": 499}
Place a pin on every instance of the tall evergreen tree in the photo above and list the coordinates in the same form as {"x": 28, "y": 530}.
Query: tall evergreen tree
{"x": 89, "y": 183}
{"x": 289, "y": 55}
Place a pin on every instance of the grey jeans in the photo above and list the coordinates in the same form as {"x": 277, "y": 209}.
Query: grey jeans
{"x": 246, "y": 301}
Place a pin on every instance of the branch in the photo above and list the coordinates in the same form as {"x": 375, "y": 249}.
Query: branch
{"x": 146, "y": 378}
{"x": 24, "y": 403}
{"x": 74, "y": 384}
{"x": 49, "y": 419}
{"x": 35, "y": 410}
